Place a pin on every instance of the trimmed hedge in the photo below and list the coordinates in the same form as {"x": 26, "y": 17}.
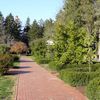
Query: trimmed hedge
{"x": 93, "y": 89}
{"x": 82, "y": 67}
{"x": 75, "y": 78}
{"x": 56, "y": 65}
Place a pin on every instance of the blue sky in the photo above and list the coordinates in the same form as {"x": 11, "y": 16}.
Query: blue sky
{"x": 35, "y": 9}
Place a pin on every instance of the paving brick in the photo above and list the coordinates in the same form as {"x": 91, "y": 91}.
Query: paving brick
{"x": 36, "y": 83}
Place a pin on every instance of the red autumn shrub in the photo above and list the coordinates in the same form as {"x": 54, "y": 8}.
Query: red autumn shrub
{"x": 18, "y": 47}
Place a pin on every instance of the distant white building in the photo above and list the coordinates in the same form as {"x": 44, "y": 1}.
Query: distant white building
{"x": 50, "y": 42}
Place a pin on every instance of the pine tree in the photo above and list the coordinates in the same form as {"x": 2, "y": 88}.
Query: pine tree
{"x": 48, "y": 29}
{"x": 2, "y": 34}
{"x": 35, "y": 31}
{"x": 12, "y": 29}
{"x": 25, "y": 35}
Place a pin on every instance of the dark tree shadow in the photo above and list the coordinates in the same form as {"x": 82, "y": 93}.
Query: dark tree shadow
{"x": 16, "y": 67}
{"x": 23, "y": 67}
{"x": 17, "y": 72}
{"x": 26, "y": 61}
{"x": 20, "y": 67}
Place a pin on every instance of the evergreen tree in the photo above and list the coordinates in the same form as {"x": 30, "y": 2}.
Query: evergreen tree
{"x": 48, "y": 28}
{"x": 12, "y": 29}
{"x": 25, "y": 35}
{"x": 2, "y": 34}
{"x": 35, "y": 31}
{"x": 75, "y": 33}
{"x": 17, "y": 29}
{"x": 9, "y": 28}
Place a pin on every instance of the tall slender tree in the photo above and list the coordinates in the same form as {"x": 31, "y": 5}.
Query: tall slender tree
{"x": 35, "y": 31}
{"x": 25, "y": 34}
{"x": 2, "y": 34}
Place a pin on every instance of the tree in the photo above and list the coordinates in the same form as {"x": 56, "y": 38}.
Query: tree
{"x": 9, "y": 28}
{"x": 35, "y": 31}
{"x": 17, "y": 29}
{"x": 75, "y": 37}
{"x": 25, "y": 34}
{"x": 12, "y": 29}
{"x": 2, "y": 33}
{"x": 39, "y": 48}
{"x": 48, "y": 28}
{"x": 27, "y": 22}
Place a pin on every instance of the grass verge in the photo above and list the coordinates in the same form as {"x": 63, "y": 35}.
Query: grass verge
{"x": 6, "y": 87}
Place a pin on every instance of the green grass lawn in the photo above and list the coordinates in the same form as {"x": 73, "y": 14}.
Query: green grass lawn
{"x": 6, "y": 87}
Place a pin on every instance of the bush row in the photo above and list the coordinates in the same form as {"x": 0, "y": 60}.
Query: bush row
{"x": 93, "y": 89}
{"x": 56, "y": 65}
{"x": 75, "y": 78}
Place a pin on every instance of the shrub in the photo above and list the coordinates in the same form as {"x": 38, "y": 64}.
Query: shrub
{"x": 38, "y": 47}
{"x": 15, "y": 57}
{"x": 83, "y": 67}
{"x": 41, "y": 60}
{"x": 3, "y": 49}
{"x": 76, "y": 78}
{"x": 5, "y": 61}
{"x": 18, "y": 47}
{"x": 55, "y": 65}
{"x": 93, "y": 89}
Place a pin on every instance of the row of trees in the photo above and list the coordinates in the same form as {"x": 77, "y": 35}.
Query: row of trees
{"x": 75, "y": 32}
{"x": 11, "y": 30}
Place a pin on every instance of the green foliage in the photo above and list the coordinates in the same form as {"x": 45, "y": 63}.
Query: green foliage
{"x": 93, "y": 89}
{"x": 60, "y": 42}
{"x": 6, "y": 61}
{"x": 74, "y": 78}
{"x": 48, "y": 29}
{"x": 71, "y": 45}
{"x": 6, "y": 87}
{"x": 78, "y": 74}
{"x": 41, "y": 60}
{"x": 12, "y": 29}
{"x": 55, "y": 65}
{"x": 39, "y": 48}
{"x": 74, "y": 36}
{"x": 36, "y": 31}
{"x": 2, "y": 35}
{"x": 77, "y": 77}
{"x": 82, "y": 67}
{"x": 3, "y": 49}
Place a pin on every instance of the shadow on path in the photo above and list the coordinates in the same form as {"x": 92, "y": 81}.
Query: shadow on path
{"x": 26, "y": 61}
{"x": 12, "y": 72}
{"x": 19, "y": 70}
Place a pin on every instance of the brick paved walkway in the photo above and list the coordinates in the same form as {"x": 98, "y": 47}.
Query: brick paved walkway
{"x": 35, "y": 83}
